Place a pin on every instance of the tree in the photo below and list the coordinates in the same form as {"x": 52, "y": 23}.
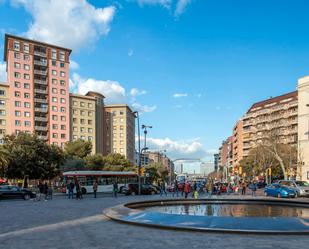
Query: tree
{"x": 4, "y": 160}
{"x": 156, "y": 171}
{"x": 78, "y": 149}
{"x": 117, "y": 162}
{"x": 31, "y": 156}
{"x": 95, "y": 162}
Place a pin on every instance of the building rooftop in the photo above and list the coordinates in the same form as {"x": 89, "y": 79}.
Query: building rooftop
{"x": 4, "y": 84}
{"x": 275, "y": 101}
{"x": 118, "y": 106}
{"x": 7, "y": 36}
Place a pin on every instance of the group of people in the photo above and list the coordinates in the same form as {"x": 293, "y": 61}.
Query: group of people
{"x": 44, "y": 192}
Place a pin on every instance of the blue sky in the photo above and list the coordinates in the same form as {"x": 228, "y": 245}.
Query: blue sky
{"x": 217, "y": 56}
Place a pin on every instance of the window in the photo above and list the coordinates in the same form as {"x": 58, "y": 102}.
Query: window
{"x": 82, "y": 121}
{"x": 16, "y": 65}
{"x": 54, "y": 90}
{"x": 26, "y": 67}
{"x": 17, "y": 75}
{"x": 17, "y": 113}
{"x": 82, "y": 137}
{"x": 62, "y": 100}
{"x": 26, "y": 76}
{"x": 54, "y": 72}
{"x": 2, "y": 112}
{"x": 54, "y": 54}
{"x": 82, "y": 113}
{"x": 27, "y": 105}
{"x": 121, "y": 120}
{"x": 17, "y": 84}
{"x": 54, "y": 117}
{"x": 16, "y": 45}
{"x": 63, "y": 118}
{"x": 17, "y": 94}
{"x": 62, "y": 91}
{"x": 89, "y": 105}
{"x": 63, "y": 127}
{"x": 63, "y": 136}
{"x": 62, "y": 64}
{"x": 54, "y": 108}
{"x": 27, "y": 123}
{"x": 82, "y": 104}
{"x": 62, "y": 74}
{"x": 27, "y": 86}
{"x": 54, "y": 81}
{"x": 121, "y": 134}
{"x": 74, "y": 128}
{"x": 90, "y": 114}
{"x": 82, "y": 129}
{"x": 16, "y": 55}
{"x": 2, "y": 122}
{"x": 75, "y": 103}
{"x": 90, "y": 130}
{"x": 17, "y": 104}
{"x": 121, "y": 112}
{"x": 54, "y": 99}
{"x": 2, "y": 93}
{"x": 26, "y": 57}
{"x": 74, "y": 137}
{"x": 2, "y": 102}
{"x": 17, "y": 122}
{"x": 54, "y": 63}
{"x": 26, "y": 47}
{"x": 62, "y": 55}
{"x": 62, "y": 82}
{"x": 74, "y": 112}
{"x": 62, "y": 109}
{"x": 90, "y": 138}
{"x": 74, "y": 120}
{"x": 27, "y": 95}
{"x": 89, "y": 122}
{"x": 55, "y": 135}
{"x": 55, "y": 127}
{"x": 121, "y": 150}
{"x": 27, "y": 114}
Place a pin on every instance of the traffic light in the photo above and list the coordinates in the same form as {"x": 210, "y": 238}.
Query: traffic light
{"x": 142, "y": 171}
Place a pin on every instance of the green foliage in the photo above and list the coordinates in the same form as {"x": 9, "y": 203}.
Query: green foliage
{"x": 31, "y": 156}
{"x": 78, "y": 149}
{"x": 73, "y": 164}
{"x": 4, "y": 160}
{"x": 95, "y": 162}
{"x": 117, "y": 162}
{"x": 156, "y": 171}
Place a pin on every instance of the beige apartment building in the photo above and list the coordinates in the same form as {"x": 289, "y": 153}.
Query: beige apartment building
{"x": 38, "y": 77}
{"x": 237, "y": 145}
{"x": 4, "y": 97}
{"x": 303, "y": 128}
{"x": 120, "y": 130}
{"x": 278, "y": 113}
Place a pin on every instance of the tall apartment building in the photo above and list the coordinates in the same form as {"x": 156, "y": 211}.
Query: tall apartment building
{"x": 216, "y": 161}
{"x": 4, "y": 97}
{"x": 120, "y": 130}
{"x": 237, "y": 145}
{"x": 278, "y": 113}
{"x": 303, "y": 127}
{"x": 226, "y": 153}
{"x": 38, "y": 77}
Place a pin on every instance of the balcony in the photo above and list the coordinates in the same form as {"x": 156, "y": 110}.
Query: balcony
{"x": 40, "y": 53}
{"x": 38, "y": 109}
{"x": 40, "y": 63}
{"x": 41, "y": 82}
{"x": 42, "y": 137}
{"x": 40, "y": 72}
{"x": 40, "y": 119}
{"x": 43, "y": 101}
{"x": 42, "y": 91}
{"x": 41, "y": 128}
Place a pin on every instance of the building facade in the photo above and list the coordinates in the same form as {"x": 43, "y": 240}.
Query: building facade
{"x": 38, "y": 77}
{"x": 4, "y": 102}
{"x": 237, "y": 145}
{"x": 275, "y": 114}
{"x": 303, "y": 128}
{"x": 120, "y": 130}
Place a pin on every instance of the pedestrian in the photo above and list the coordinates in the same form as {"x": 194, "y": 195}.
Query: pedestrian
{"x": 194, "y": 188}
{"x": 175, "y": 188}
{"x": 243, "y": 187}
{"x": 253, "y": 188}
{"x": 162, "y": 188}
{"x": 95, "y": 188}
{"x": 50, "y": 192}
{"x": 70, "y": 188}
{"x": 115, "y": 189}
{"x": 78, "y": 191}
{"x": 187, "y": 189}
{"x": 41, "y": 190}
{"x": 45, "y": 189}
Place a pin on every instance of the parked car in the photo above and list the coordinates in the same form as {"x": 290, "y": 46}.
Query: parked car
{"x": 278, "y": 190}
{"x": 261, "y": 184}
{"x": 8, "y": 191}
{"x": 146, "y": 189}
{"x": 300, "y": 187}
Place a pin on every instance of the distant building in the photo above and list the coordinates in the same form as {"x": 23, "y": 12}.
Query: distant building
{"x": 4, "y": 103}
{"x": 206, "y": 168}
{"x": 237, "y": 145}
{"x": 216, "y": 161}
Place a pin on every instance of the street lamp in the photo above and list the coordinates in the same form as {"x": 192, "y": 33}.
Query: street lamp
{"x": 136, "y": 115}
{"x": 144, "y": 127}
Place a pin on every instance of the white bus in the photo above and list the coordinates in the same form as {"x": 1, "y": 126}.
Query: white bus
{"x": 105, "y": 179}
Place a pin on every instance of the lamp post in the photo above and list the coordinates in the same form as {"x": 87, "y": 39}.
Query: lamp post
{"x": 144, "y": 127}
{"x": 136, "y": 115}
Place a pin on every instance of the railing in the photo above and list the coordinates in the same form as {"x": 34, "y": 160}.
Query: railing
{"x": 42, "y": 82}
{"x": 40, "y": 63}
{"x": 38, "y": 109}
{"x": 36, "y": 90}
{"x": 40, "y": 72}
{"x": 44, "y": 101}
{"x": 39, "y": 53}
{"x": 41, "y": 119}
{"x": 40, "y": 128}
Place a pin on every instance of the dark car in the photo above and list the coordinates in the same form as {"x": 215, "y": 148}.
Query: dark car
{"x": 10, "y": 192}
{"x": 261, "y": 184}
{"x": 146, "y": 189}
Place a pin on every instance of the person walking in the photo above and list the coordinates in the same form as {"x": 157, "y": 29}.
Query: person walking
{"x": 115, "y": 189}
{"x": 95, "y": 188}
{"x": 243, "y": 187}
{"x": 175, "y": 188}
{"x": 162, "y": 188}
{"x": 187, "y": 189}
{"x": 78, "y": 191}
{"x": 194, "y": 189}
{"x": 41, "y": 190}
{"x": 70, "y": 188}
{"x": 253, "y": 188}
{"x": 45, "y": 190}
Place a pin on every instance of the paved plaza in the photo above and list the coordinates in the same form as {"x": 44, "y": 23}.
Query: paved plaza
{"x": 63, "y": 223}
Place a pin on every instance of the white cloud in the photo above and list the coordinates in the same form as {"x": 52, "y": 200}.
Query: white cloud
{"x": 74, "y": 65}
{"x": 113, "y": 91}
{"x": 135, "y": 92}
{"x": 71, "y": 23}
{"x": 179, "y": 148}
{"x": 180, "y": 95}
{"x": 3, "y": 75}
{"x": 181, "y": 6}
{"x": 130, "y": 52}
{"x": 164, "y": 3}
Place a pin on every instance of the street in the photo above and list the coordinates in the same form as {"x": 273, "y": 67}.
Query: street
{"x": 63, "y": 223}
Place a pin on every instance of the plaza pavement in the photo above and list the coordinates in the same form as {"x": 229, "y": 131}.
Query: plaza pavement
{"x": 63, "y": 223}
